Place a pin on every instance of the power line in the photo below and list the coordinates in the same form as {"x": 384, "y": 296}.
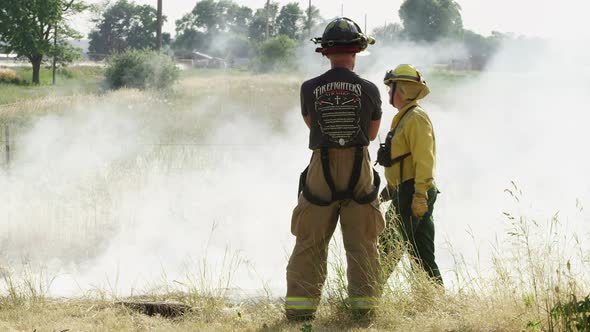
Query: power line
{"x": 309, "y": 19}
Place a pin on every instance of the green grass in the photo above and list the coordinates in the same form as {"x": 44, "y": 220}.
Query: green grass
{"x": 441, "y": 79}
{"x": 87, "y": 80}
{"x": 69, "y": 81}
{"x": 212, "y": 92}
{"x": 208, "y": 72}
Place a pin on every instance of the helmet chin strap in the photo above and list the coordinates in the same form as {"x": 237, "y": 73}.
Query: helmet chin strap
{"x": 393, "y": 87}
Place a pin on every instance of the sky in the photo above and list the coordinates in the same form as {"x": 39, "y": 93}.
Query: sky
{"x": 543, "y": 18}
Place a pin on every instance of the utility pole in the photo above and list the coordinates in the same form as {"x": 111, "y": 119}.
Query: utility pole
{"x": 342, "y": 10}
{"x": 159, "y": 26}
{"x": 267, "y": 19}
{"x": 309, "y": 19}
{"x": 365, "y": 31}
{"x": 55, "y": 52}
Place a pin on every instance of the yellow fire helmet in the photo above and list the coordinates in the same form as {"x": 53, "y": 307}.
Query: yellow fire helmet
{"x": 410, "y": 84}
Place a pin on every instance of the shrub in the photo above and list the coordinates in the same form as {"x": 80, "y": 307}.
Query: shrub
{"x": 574, "y": 315}
{"x": 141, "y": 70}
{"x": 9, "y": 76}
{"x": 67, "y": 72}
{"x": 276, "y": 54}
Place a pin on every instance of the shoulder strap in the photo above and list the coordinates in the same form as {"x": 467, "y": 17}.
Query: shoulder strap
{"x": 392, "y": 132}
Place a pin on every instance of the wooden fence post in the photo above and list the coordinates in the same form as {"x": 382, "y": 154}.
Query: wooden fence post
{"x": 7, "y": 145}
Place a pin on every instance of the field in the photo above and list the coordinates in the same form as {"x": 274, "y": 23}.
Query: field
{"x": 70, "y": 81}
{"x": 92, "y": 167}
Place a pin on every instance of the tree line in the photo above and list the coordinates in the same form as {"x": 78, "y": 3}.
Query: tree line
{"x": 221, "y": 28}
{"x": 428, "y": 21}
{"x": 38, "y": 29}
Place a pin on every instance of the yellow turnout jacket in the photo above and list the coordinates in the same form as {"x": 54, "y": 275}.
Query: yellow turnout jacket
{"x": 414, "y": 135}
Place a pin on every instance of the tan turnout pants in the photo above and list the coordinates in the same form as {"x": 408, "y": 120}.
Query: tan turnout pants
{"x": 314, "y": 225}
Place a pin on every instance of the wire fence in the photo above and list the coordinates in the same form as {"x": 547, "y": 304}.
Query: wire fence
{"x": 9, "y": 142}
{"x": 43, "y": 99}
{"x": 8, "y": 105}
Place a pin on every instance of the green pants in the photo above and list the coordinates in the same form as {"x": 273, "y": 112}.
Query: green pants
{"x": 405, "y": 232}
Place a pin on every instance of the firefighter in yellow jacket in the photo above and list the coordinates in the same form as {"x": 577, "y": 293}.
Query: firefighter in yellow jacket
{"x": 343, "y": 113}
{"x": 409, "y": 158}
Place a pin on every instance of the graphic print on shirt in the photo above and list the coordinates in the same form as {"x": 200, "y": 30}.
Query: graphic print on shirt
{"x": 338, "y": 105}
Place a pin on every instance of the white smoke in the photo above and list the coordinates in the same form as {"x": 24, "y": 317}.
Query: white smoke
{"x": 522, "y": 120}
{"x": 93, "y": 198}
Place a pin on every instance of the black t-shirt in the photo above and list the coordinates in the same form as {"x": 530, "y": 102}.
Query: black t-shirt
{"x": 341, "y": 106}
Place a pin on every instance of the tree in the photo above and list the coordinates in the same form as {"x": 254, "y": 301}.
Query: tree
{"x": 188, "y": 40}
{"x": 276, "y": 54}
{"x": 288, "y": 21}
{"x": 211, "y": 17}
{"x": 28, "y": 27}
{"x": 430, "y": 20}
{"x": 480, "y": 46}
{"x": 238, "y": 19}
{"x": 212, "y": 20}
{"x": 208, "y": 14}
{"x": 125, "y": 25}
{"x": 312, "y": 19}
{"x": 388, "y": 34}
{"x": 257, "y": 29}
{"x": 263, "y": 17}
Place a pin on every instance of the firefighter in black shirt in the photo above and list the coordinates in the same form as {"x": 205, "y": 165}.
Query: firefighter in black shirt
{"x": 343, "y": 113}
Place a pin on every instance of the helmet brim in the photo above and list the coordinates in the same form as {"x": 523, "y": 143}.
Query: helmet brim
{"x": 338, "y": 50}
{"x": 364, "y": 53}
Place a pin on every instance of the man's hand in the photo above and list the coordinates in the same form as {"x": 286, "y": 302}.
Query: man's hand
{"x": 419, "y": 205}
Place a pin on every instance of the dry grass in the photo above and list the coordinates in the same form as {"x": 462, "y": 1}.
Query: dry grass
{"x": 408, "y": 312}
{"x": 266, "y": 96}
{"x": 7, "y": 75}
{"x": 505, "y": 300}
{"x": 534, "y": 274}
{"x": 84, "y": 315}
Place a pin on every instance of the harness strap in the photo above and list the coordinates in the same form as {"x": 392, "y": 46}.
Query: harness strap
{"x": 356, "y": 169}
{"x": 367, "y": 199}
{"x": 385, "y": 149}
{"x": 400, "y": 158}
{"x": 340, "y": 195}
{"x": 392, "y": 132}
{"x": 325, "y": 160}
